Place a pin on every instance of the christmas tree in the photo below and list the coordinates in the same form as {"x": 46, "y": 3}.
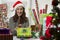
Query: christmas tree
{"x": 55, "y": 32}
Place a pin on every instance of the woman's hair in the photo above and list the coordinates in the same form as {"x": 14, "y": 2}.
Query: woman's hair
{"x": 23, "y": 17}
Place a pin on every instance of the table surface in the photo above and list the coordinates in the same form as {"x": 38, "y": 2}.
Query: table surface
{"x": 15, "y": 38}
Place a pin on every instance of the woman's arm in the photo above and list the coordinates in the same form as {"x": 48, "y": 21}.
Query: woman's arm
{"x": 26, "y": 24}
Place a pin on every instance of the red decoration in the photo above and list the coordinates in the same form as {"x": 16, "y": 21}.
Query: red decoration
{"x": 40, "y": 11}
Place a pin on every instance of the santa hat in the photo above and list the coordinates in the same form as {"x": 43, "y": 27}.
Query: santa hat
{"x": 16, "y": 4}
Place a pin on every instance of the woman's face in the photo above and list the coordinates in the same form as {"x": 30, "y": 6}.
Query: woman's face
{"x": 19, "y": 10}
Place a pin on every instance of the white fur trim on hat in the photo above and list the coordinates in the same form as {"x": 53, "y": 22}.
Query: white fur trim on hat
{"x": 18, "y": 6}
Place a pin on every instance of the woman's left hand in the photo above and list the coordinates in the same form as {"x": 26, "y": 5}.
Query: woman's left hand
{"x": 20, "y": 25}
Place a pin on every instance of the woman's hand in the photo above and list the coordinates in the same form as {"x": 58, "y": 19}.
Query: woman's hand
{"x": 19, "y": 25}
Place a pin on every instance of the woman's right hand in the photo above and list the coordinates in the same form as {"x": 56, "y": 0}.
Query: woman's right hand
{"x": 20, "y": 25}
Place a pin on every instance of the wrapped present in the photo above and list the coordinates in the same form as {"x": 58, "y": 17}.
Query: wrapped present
{"x": 4, "y": 31}
{"x": 23, "y": 32}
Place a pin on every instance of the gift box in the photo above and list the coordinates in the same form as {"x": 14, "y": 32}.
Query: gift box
{"x": 23, "y": 32}
{"x": 4, "y": 31}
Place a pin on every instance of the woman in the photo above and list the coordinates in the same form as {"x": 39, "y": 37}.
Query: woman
{"x": 19, "y": 19}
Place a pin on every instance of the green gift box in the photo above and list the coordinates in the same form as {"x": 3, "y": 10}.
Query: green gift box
{"x": 23, "y": 32}
{"x": 42, "y": 16}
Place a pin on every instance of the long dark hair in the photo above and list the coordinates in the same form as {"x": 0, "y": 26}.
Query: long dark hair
{"x": 23, "y": 17}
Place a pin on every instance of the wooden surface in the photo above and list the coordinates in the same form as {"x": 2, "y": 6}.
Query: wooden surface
{"x": 6, "y": 37}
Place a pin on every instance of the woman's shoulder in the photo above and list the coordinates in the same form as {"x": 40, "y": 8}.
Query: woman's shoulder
{"x": 26, "y": 18}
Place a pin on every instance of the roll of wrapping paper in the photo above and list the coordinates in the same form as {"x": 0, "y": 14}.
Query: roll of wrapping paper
{"x": 38, "y": 15}
{"x": 37, "y": 22}
{"x": 37, "y": 10}
{"x": 37, "y": 7}
{"x": 36, "y": 18}
{"x": 41, "y": 11}
{"x": 44, "y": 11}
{"x": 46, "y": 7}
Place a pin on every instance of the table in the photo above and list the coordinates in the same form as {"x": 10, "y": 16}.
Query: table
{"x": 11, "y": 37}
{"x": 6, "y": 37}
{"x": 15, "y": 38}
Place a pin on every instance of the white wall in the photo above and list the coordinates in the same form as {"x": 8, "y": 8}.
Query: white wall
{"x": 42, "y": 4}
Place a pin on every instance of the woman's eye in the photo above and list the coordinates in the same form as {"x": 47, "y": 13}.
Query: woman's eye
{"x": 21, "y": 9}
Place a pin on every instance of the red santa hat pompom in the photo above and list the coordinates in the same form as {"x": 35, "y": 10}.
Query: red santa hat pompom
{"x": 17, "y": 4}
